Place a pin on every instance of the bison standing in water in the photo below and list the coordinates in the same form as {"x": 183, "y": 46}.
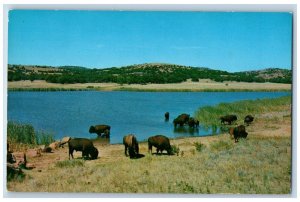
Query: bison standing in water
{"x": 84, "y": 145}
{"x": 239, "y": 132}
{"x": 161, "y": 143}
{"x": 100, "y": 129}
{"x": 193, "y": 122}
{"x": 228, "y": 119}
{"x": 130, "y": 142}
{"x": 167, "y": 116}
{"x": 181, "y": 120}
{"x": 248, "y": 119}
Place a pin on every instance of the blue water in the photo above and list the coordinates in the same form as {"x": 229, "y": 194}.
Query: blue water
{"x": 141, "y": 113}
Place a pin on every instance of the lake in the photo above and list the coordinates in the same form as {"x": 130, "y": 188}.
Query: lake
{"x": 71, "y": 113}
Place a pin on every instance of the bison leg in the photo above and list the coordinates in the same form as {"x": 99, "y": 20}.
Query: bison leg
{"x": 71, "y": 153}
{"x": 137, "y": 149}
{"x": 107, "y": 133}
{"x": 126, "y": 150}
{"x": 150, "y": 148}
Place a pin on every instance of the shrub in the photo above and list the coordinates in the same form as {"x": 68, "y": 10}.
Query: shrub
{"x": 221, "y": 145}
{"x": 199, "y": 146}
{"x": 175, "y": 149}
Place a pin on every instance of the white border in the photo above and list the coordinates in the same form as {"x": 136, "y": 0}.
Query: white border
{"x": 187, "y": 5}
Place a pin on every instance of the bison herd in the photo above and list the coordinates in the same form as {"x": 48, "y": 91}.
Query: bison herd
{"x": 160, "y": 142}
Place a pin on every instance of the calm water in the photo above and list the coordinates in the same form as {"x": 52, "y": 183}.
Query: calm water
{"x": 141, "y": 113}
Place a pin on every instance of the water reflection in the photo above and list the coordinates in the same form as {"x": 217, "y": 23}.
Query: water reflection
{"x": 186, "y": 131}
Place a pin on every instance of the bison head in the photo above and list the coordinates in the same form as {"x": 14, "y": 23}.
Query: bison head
{"x": 94, "y": 153}
{"x": 92, "y": 129}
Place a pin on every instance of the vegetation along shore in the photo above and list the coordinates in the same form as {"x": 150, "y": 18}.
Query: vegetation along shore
{"x": 259, "y": 164}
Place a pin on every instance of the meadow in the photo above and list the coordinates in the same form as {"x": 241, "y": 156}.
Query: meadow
{"x": 260, "y": 164}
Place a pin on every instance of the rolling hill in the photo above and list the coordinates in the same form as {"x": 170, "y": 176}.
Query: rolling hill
{"x": 142, "y": 74}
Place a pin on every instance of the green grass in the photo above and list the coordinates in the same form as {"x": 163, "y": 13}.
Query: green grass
{"x": 24, "y": 135}
{"x": 69, "y": 163}
{"x": 209, "y": 116}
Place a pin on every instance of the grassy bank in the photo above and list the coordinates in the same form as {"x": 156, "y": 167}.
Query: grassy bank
{"x": 209, "y": 116}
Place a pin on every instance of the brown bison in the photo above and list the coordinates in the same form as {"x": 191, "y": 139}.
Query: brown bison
{"x": 84, "y": 145}
{"x": 228, "y": 119}
{"x": 193, "y": 122}
{"x": 181, "y": 120}
{"x": 161, "y": 143}
{"x": 239, "y": 132}
{"x": 184, "y": 117}
{"x": 248, "y": 119}
{"x": 100, "y": 129}
{"x": 130, "y": 142}
{"x": 178, "y": 121}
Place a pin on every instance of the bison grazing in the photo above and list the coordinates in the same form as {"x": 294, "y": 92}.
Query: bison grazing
{"x": 84, "y": 145}
{"x": 161, "y": 143}
{"x": 100, "y": 129}
{"x": 130, "y": 142}
{"x": 239, "y": 132}
{"x": 248, "y": 119}
{"x": 228, "y": 119}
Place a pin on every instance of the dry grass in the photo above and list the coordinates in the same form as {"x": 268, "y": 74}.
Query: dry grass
{"x": 202, "y": 85}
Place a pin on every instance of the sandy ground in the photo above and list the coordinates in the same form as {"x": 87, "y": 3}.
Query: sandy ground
{"x": 202, "y": 85}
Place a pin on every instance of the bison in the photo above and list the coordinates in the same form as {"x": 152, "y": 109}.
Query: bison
{"x": 193, "y": 122}
{"x": 84, "y": 145}
{"x": 167, "y": 116}
{"x": 161, "y": 143}
{"x": 100, "y": 129}
{"x": 239, "y": 132}
{"x": 248, "y": 119}
{"x": 178, "y": 121}
{"x": 184, "y": 117}
{"x": 228, "y": 119}
{"x": 130, "y": 142}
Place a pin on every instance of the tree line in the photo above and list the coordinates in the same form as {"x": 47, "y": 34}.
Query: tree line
{"x": 141, "y": 74}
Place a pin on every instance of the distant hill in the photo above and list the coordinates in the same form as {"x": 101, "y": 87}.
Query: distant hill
{"x": 142, "y": 74}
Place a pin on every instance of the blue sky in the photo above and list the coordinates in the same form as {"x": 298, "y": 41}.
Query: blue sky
{"x": 230, "y": 41}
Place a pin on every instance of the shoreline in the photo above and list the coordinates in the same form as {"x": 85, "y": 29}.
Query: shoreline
{"x": 201, "y": 86}
{"x": 211, "y": 159}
